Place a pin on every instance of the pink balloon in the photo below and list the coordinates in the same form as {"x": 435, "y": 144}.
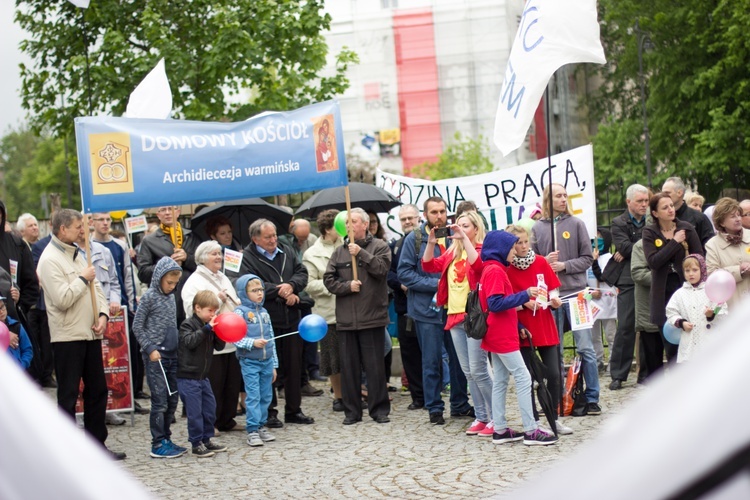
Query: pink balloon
{"x": 720, "y": 286}
{"x": 4, "y": 336}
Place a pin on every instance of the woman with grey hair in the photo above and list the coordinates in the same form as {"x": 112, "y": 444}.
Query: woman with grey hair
{"x": 224, "y": 374}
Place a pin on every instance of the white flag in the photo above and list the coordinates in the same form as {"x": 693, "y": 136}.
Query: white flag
{"x": 83, "y": 4}
{"x": 551, "y": 33}
{"x": 152, "y": 98}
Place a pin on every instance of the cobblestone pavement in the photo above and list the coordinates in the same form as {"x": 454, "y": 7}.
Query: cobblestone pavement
{"x": 405, "y": 458}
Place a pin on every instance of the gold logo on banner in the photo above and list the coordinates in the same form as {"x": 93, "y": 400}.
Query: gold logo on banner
{"x": 111, "y": 163}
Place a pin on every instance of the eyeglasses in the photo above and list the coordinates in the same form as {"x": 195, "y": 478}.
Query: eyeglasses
{"x": 403, "y": 219}
{"x": 257, "y": 290}
{"x": 2, "y": 307}
{"x": 167, "y": 209}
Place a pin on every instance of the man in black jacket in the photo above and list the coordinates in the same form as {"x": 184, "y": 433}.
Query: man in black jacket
{"x": 675, "y": 188}
{"x": 285, "y": 277}
{"x": 361, "y": 317}
{"x": 411, "y": 354}
{"x": 626, "y": 231}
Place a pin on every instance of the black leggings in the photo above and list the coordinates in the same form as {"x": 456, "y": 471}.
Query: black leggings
{"x": 549, "y": 355}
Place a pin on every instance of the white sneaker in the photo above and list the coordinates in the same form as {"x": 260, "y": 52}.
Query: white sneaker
{"x": 253, "y": 439}
{"x": 266, "y": 436}
{"x": 113, "y": 419}
{"x": 563, "y": 429}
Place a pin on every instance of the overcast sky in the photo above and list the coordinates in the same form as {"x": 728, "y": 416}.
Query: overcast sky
{"x": 10, "y": 57}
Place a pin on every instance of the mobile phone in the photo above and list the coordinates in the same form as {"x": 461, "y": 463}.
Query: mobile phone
{"x": 442, "y": 232}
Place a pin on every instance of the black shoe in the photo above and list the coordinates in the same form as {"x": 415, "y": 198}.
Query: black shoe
{"x": 273, "y": 422}
{"x": 50, "y": 383}
{"x": 316, "y": 376}
{"x": 297, "y": 418}
{"x": 364, "y": 404}
{"x": 415, "y": 406}
{"x": 615, "y": 385}
{"x": 392, "y": 389}
{"x": 308, "y": 390}
{"x": 469, "y": 413}
{"x": 437, "y": 418}
{"x": 593, "y": 409}
{"x": 382, "y": 419}
{"x": 351, "y": 420}
{"x": 140, "y": 410}
{"x": 141, "y": 395}
{"x": 117, "y": 455}
{"x": 338, "y": 404}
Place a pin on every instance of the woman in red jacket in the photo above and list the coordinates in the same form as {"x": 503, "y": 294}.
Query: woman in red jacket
{"x": 460, "y": 267}
{"x": 525, "y": 271}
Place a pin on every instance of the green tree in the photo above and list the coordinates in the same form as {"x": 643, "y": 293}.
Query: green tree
{"x": 698, "y": 91}
{"x": 225, "y": 60}
{"x": 463, "y": 157}
{"x": 34, "y": 166}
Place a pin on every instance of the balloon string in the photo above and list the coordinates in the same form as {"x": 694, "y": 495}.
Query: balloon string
{"x": 286, "y": 335}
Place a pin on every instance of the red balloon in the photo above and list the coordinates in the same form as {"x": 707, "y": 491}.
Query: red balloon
{"x": 230, "y": 327}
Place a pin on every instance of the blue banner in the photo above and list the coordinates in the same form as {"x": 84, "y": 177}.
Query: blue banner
{"x": 133, "y": 163}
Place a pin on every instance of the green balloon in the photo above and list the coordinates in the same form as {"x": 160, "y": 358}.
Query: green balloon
{"x": 526, "y": 223}
{"x": 339, "y": 223}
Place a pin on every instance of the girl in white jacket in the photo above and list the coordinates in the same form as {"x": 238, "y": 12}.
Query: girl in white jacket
{"x": 691, "y": 310}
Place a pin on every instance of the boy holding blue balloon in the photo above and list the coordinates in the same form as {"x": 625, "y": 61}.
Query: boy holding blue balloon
{"x": 257, "y": 355}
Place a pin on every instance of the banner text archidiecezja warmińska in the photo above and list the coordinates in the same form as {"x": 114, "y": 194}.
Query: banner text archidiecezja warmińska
{"x": 131, "y": 163}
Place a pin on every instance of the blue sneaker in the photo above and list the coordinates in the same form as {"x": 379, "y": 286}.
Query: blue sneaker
{"x": 164, "y": 450}
{"x": 176, "y": 447}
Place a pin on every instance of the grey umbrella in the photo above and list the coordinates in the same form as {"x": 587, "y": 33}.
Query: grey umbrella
{"x": 241, "y": 213}
{"x": 365, "y": 196}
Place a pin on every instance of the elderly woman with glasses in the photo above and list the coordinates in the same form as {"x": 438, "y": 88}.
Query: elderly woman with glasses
{"x": 224, "y": 374}
{"x": 730, "y": 248}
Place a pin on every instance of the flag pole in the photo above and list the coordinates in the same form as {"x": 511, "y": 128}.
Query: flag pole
{"x": 349, "y": 227}
{"x": 86, "y": 53}
{"x": 87, "y": 248}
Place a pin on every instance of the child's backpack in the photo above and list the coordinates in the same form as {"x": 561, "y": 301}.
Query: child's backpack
{"x": 475, "y": 321}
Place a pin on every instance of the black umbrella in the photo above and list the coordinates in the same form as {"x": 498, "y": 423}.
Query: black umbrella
{"x": 241, "y": 213}
{"x": 365, "y": 196}
{"x": 546, "y": 401}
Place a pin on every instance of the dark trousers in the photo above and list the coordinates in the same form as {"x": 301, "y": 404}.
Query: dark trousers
{"x": 226, "y": 382}
{"x": 312, "y": 361}
{"x": 621, "y": 355}
{"x": 363, "y": 349}
{"x": 76, "y": 361}
{"x": 200, "y": 407}
{"x": 459, "y": 397}
{"x": 289, "y": 350}
{"x": 653, "y": 352}
{"x": 411, "y": 357}
{"x": 43, "y": 362}
{"x": 163, "y": 396}
{"x": 551, "y": 375}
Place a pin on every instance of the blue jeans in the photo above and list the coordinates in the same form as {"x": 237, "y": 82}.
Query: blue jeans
{"x": 504, "y": 365}
{"x": 473, "y": 362}
{"x": 200, "y": 407}
{"x": 258, "y": 377}
{"x": 585, "y": 348}
{"x": 431, "y": 339}
{"x": 163, "y": 404}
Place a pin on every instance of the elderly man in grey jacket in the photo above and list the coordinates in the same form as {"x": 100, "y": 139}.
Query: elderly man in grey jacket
{"x": 570, "y": 257}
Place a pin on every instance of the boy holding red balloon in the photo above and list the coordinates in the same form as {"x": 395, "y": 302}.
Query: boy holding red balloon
{"x": 257, "y": 355}
{"x": 194, "y": 355}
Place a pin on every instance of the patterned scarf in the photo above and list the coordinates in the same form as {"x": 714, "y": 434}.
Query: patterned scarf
{"x": 168, "y": 230}
{"x": 523, "y": 263}
{"x": 732, "y": 239}
{"x": 701, "y": 266}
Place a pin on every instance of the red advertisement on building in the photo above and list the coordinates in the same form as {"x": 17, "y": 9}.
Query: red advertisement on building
{"x": 116, "y": 360}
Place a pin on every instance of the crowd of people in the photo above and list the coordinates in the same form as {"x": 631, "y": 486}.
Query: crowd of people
{"x": 646, "y": 272}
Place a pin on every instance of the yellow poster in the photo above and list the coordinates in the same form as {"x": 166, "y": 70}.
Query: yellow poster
{"x": 111, "y": 163}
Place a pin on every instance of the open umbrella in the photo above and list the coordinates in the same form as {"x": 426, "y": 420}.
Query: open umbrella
{"x": 241, "y": 213}
{"x": 365, "y": 196}
{"x": 546, "y": 401}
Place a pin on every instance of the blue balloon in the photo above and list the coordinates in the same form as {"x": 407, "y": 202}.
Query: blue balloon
{"x": 313, "y": 327}
{"x": 133, "y": 212}
{"x": 672, "y": 333}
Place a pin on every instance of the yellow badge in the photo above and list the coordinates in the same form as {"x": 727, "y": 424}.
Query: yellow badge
{"x": 250, "y": 315}
{"x": 566, "y": 235}
{"x": 658, "y": 243}
{"x": 747, "y": 250}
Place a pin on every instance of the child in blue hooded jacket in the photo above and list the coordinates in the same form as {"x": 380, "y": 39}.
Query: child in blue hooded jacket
{"x": 23, "y": 353}
{"x": 257, "y": 355}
